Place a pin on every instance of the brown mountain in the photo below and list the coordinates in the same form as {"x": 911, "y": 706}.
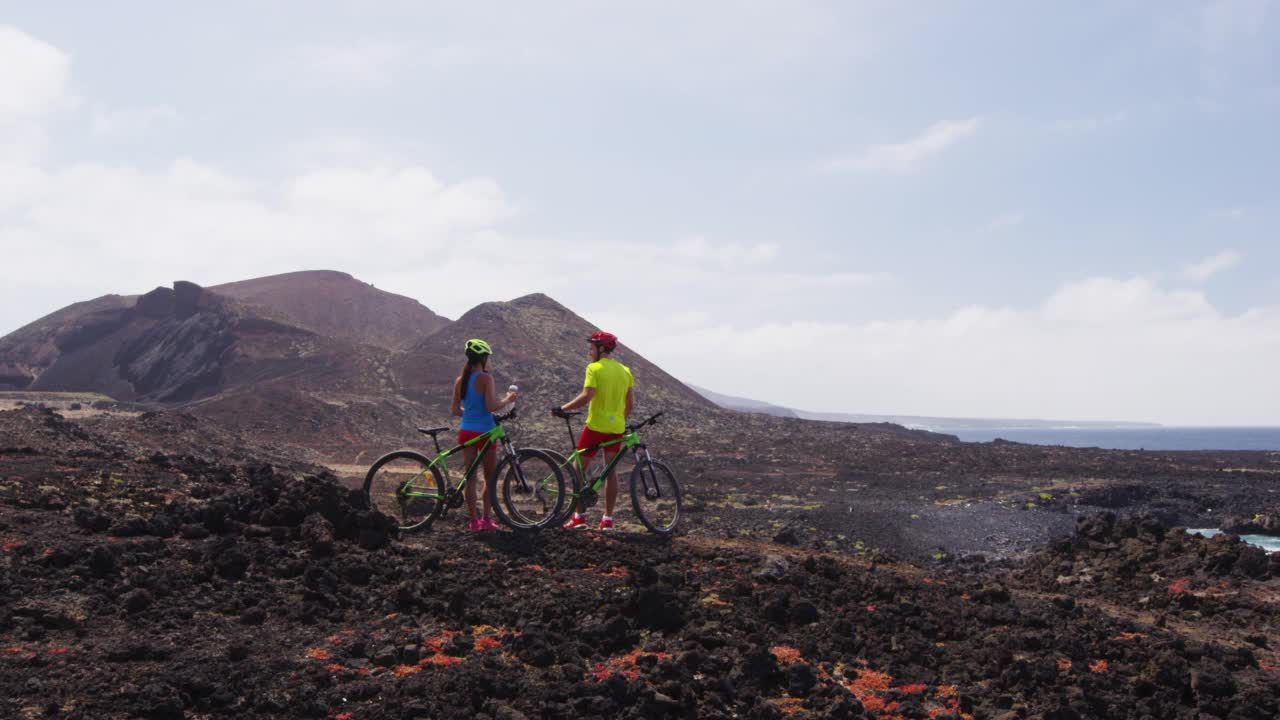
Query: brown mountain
{"x": 541, "y": 346}
{"x": 279, "y": 357}
{"x": 335, "y": 304}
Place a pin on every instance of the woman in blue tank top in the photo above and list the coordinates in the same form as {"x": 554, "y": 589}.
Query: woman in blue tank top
{"x": 475, "y": 400}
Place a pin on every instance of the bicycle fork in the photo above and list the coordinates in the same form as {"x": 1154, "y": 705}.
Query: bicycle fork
{"x": 648, "y": 476}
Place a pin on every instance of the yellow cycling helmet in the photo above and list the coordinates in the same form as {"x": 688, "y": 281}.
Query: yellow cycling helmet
{"x": 476, "y": 346}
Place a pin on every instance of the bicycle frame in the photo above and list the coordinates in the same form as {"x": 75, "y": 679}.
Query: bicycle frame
{"x": 496, "y": 436}
{"x": 629, "y": 441}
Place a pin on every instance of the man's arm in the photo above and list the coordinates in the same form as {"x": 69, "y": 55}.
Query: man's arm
{"x": 583, "y": 398}
{"x": 630, "y": 402}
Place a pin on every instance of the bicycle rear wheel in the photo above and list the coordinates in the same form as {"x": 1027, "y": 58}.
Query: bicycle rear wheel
{"x": 655, "y": 496}
{"x": 527, "y": 492}
{"x": 405, "y": 486}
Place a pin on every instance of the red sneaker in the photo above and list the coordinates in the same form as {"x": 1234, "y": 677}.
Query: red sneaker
{"x": 606, "y": 523}
{"x": 475, "y": 525}
{"x": 489, "y": 524}
{"x": 574, "y": 522}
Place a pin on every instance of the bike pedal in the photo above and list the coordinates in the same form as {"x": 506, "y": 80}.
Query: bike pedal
{"x": 455, "y": 502}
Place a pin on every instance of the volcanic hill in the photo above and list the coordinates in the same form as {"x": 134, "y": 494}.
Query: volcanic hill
{"x": 314, "y": 359}
{"x": 336, "y": 304}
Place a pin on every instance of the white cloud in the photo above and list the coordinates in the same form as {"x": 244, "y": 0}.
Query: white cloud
{"x": 35, "y": 80}
{"x": 1089, "y": 123}
{"x": 1212, "y": 265}
{"x": 1104, "y": 348}
{"x": 1004, "y": 221}
{"x": 101, "y": 226}
{"x": 1224, "y": 23}
{"x": 131, "y": 122}
{"x": 365, "y": 65}
{"x": 33, "y": 84}
{"x": 698, "y": 248}
{"x": 904, "y": 157}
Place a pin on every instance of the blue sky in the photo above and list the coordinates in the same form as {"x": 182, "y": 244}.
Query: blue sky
{"x": 996, "y": 209}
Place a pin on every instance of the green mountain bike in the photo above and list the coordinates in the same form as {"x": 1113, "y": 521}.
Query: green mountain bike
{"x": 415, "y": 490}
{"x": 655, "y": 492}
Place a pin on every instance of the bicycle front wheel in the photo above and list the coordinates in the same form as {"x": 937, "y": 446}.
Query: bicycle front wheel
{"x": 527, "y": 491}
{"x": 405, "y": 486}
{"x": 572, "y": 485}
{"x": 655, "y": 496}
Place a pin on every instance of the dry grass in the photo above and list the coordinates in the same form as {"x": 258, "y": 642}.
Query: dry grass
{"x": 61, "y": 402}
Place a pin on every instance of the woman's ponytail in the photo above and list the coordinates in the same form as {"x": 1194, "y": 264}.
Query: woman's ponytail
{"x": 473, "y": 360}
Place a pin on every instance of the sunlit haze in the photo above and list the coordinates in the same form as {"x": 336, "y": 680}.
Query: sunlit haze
{"x": 997, "y": 209}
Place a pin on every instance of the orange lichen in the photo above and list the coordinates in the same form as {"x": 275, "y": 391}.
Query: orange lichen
{"x": 440, "y": 660}
{"x": 624, "y": 665}
{"x": 786, "y": 655}
{"x": 912, "y": 689}
{"x": 1126, "y": 636}
{"x": 535, "y": 568}
{"x": 486, "y": 642}
{"x": 616, "y": 571}
{"x": 1064, "y": 664}
{"x": 316, "y": 653}
{"x": 59, "y": 650}
{"x": 868, "y": 686}
{"x": 437, "y": 643}
{"x": 788, "y": 706}
{"x": 931, "y": 581}
{"x": 871, "y": 680}
{"x": 335, "y": 668}
{"x": 406, "y": 670}
{"x": 871, "y": 703}
{"x": 1179, "y": 586}
{"x": 1098, "y": 666}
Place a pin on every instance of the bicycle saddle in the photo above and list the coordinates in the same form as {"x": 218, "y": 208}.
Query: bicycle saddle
{"x": 432, "y": 431}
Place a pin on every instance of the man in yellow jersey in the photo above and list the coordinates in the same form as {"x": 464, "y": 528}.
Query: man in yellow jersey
{"x": 609, "y": 389}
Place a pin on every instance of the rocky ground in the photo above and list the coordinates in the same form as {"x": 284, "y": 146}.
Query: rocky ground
{"x": 156, "y": 567}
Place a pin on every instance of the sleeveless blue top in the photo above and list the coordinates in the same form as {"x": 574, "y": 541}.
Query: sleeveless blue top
{"x": 475, "y": 416}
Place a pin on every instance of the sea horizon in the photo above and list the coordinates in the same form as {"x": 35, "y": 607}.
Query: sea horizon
{"x": 1165, "y": 437}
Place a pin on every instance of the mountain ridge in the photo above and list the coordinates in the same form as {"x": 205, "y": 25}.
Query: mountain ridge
{"x": 921, "y": 422}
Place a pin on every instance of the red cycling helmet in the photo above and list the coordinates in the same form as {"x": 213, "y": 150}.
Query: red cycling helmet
{"x": 608, "y": 341}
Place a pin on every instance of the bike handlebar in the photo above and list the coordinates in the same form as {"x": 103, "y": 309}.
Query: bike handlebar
{"x": 505, "y": 416}
{"x": 653, "y": 420}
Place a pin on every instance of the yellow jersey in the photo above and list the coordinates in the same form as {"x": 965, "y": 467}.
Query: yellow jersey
{"x": 612, "y": 380}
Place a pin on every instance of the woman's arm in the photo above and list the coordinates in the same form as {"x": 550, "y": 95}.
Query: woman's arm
{"x": 455, "y": 405}
{"x": 484, "y": 384}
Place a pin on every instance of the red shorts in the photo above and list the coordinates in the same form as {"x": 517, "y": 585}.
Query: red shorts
{"x": 465, "y": 435}
{"x": 590, "y": 439}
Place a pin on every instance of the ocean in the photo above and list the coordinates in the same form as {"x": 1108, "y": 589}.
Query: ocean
{"x": 1161, "y": 438}
{"x": 1270, "y": 543}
